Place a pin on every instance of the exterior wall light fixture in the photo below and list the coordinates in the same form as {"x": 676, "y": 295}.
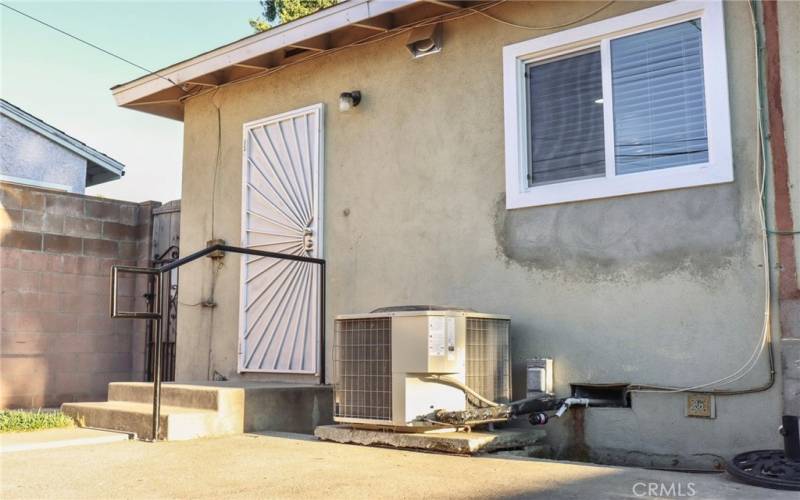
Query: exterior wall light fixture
{"x": 349, "y": 100}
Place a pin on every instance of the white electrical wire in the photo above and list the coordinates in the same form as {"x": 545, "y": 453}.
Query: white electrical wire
{"x": 541, "y": 28}
{"x": 761, "y": 174}
{"x": 378, "y": 37}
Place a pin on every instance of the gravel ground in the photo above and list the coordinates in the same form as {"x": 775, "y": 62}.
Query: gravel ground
{"x": 293, "y": 466}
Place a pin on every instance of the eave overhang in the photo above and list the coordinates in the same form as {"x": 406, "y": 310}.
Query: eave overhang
{"x": 346, "y": 24}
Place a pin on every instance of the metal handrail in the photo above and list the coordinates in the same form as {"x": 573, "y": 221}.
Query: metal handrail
{"x": 157, "y": 315}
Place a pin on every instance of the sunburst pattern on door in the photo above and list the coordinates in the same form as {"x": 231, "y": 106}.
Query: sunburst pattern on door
{"x": 282, "y": 210}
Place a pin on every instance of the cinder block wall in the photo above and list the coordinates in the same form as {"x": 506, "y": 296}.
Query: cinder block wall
{"x": 57, "y": 340}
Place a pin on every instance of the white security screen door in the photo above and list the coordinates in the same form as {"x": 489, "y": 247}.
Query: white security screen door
{"x": 282, "y": 212}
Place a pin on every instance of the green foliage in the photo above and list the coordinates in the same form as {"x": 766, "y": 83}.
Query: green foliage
{"x": 23, "y": 421}
{"x": 284, "y": 11}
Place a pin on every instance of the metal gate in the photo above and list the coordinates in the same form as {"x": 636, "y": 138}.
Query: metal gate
{"x": 166, "y": 231}
{"x": 281, "y": 212}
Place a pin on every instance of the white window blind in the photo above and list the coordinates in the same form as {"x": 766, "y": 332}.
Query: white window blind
{"x": 659, "y": 99}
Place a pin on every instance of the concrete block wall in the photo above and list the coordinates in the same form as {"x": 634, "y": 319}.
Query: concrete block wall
{"x": 58, "y": 342}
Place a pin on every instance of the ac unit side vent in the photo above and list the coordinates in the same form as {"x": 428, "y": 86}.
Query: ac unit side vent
{"x": 363, "y": 368}
{"x": 487, "y": 369}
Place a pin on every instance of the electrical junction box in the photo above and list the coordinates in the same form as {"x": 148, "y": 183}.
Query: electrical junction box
{"x": 700, "y": 405}
{"x": 540, "y": 377}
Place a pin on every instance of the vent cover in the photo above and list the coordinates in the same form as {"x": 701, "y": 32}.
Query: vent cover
{"x": 363, "y": 368}
{"x": 487, "y": 368}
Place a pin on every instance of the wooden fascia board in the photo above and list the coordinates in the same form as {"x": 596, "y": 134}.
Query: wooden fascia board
{"x": 322, "y": 22}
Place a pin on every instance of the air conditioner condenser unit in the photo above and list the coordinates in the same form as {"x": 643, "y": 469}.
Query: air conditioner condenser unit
{"x": 386, "y": 363}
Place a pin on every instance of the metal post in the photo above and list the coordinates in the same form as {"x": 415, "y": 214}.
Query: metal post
{"x": 791, "y": 438}
{"x": 322, "y": 322}
{"x": 150, "y": 297}
{"x": 158, "y": 356}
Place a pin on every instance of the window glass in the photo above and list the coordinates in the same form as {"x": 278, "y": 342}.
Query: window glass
{"x": 565, "y": 112}
{"x": 659, "y": 100}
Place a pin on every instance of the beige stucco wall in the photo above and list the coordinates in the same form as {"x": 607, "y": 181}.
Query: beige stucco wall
{"x": 659, "y": 288}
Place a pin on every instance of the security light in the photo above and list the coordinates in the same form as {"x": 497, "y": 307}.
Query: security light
{"x": 349, "y": 100}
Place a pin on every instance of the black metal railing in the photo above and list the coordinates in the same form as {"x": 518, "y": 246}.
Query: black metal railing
{"x": 169, "y": 331}
{"x": 161, "y": 291}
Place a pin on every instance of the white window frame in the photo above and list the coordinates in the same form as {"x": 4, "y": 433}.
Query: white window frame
{"x": 718, "y": 169}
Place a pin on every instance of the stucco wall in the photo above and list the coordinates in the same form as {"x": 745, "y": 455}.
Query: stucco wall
{"x": 661, "y": 288}
{"x": 29, "y": 155}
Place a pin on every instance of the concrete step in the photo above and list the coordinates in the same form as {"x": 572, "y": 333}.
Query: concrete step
{"x": 176, "y": 423}
{"x": 183, "y": 395}
{"x": 191, "y": 410}
{"x": 262, "y": 406}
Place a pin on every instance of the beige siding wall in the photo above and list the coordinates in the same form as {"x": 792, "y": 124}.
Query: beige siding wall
{"x": 658, "y": 288}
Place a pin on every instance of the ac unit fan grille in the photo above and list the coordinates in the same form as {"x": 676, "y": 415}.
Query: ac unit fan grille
{"x": 363, "y": 368}
{"x": 487, "y": 358}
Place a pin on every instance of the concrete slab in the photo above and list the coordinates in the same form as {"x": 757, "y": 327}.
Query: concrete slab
{"x": 248, "y": 466}
{"x": 462, "y": 443}
{"x": 57, "y": 438}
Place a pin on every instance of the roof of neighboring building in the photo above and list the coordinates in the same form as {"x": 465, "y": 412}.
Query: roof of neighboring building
{"x": 346, "y": 24}
{"x": 99, "y": 167}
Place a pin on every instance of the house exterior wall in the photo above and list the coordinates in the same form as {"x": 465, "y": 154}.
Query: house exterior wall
{"x": 57, "y": 340}
{"x": 27, "y": 154}
{"x": 660, "y": 288}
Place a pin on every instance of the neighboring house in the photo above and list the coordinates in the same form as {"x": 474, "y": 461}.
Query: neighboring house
{"x": 597, "y": 180}
{"x": 37, "y": 154}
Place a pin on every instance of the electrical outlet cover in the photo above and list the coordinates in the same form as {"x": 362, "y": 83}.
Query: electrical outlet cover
{"x": 700, "y": 405}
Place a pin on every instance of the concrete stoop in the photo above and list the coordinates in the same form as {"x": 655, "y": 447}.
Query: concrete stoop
{"x": 205, "y": 409}
{"x": 463, "y": 443}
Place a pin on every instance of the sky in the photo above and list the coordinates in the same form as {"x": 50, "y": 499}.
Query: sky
{"x": 66, "y": 83}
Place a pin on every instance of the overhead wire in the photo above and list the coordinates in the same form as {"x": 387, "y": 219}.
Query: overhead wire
{"x": 542, "y": 28}
{"x": 85, "y": 42}
{"x": 378, "y": 37}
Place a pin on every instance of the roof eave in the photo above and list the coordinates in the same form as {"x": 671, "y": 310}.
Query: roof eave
{"x": 319, "y": 23}
{"x": 157, "y": 93}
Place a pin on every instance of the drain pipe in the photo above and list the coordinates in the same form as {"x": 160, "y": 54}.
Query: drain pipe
{"x": 568, "y": 403}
